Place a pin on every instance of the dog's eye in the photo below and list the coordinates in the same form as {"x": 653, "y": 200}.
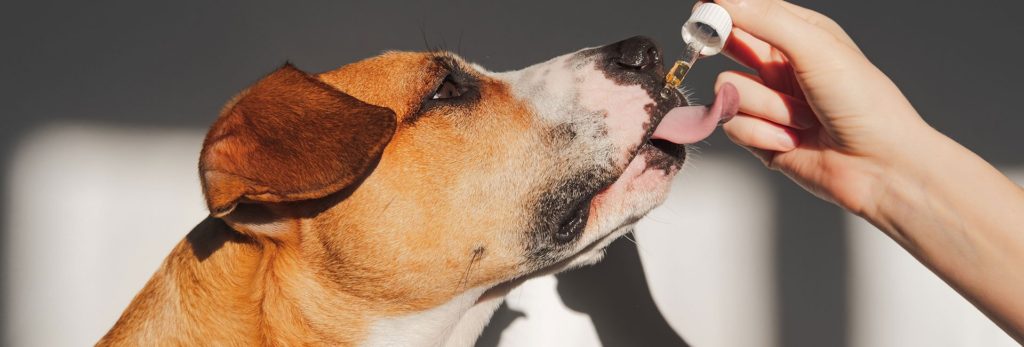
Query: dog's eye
{"x": 448, "y": 89}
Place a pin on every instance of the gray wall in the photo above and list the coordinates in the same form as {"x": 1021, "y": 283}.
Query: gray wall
{"x": 174, "y": 64}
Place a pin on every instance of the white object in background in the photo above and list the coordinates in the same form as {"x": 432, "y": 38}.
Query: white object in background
{"x": 708, "y": 254}
{"x": 547, "y": 321}
{"x": 92, "y": 212}
{"x": 710, "y": 274}
{"x": 896, "y": 301}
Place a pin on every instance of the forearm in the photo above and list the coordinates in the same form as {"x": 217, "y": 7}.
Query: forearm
{"x": 963, "y": 219}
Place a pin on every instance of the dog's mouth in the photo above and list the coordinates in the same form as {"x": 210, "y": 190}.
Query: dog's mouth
{"x": 660, "y": 154}
{"x": 674, "y": 151}
{"x": 673, "y": 125}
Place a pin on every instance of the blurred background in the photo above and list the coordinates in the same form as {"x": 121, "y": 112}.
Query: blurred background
{"x": 105, "y": 104}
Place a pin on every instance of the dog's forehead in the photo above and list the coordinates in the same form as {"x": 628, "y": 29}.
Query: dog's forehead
{"x": 401, "y": 81}
{"x": 394, "y": 80}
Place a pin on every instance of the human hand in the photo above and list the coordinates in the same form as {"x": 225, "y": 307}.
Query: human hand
{"x": 821, "y": 113}
{"x": 817, "y": 110}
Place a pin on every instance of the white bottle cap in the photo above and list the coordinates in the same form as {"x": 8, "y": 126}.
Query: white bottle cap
{"x": 715, "y": 17}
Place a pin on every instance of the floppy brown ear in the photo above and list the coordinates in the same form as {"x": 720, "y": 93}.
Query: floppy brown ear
{"x": 290, "y": 137}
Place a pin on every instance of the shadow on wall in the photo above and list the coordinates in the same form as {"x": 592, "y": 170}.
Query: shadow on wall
{"x": 614, "y": 293}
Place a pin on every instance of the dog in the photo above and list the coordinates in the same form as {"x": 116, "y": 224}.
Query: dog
{"x": 395, "y": 200}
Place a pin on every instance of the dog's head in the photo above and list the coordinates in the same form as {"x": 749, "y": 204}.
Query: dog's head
{"x": 407, "y": 178}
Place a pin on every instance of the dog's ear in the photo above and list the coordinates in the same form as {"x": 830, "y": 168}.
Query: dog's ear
{"x": 290, "y": 137}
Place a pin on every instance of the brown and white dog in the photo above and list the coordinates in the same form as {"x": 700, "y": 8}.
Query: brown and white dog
{"x": 394, "y": 201}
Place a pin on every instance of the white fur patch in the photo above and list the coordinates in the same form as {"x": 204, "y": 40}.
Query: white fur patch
{"x": 428, "y": 328}
{"x": 608, "y": 119}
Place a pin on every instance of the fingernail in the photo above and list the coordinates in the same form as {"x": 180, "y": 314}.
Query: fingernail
{"x": 730, "y": 98}
{"x": 726, "y": 118}
{"x": 785, "y": 140}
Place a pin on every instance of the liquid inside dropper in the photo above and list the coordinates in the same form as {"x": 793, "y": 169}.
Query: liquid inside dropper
{"x": 700, "y": 35}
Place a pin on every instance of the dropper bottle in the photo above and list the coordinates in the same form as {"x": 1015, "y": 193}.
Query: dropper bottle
{"x": 705, "y": 34}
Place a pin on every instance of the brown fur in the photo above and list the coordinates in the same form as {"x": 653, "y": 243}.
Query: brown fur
{"x": 309, "y": 249}
{"x": 290, "y": 137}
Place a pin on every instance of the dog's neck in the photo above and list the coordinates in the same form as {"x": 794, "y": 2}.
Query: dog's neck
{"x": 260, "y": 294}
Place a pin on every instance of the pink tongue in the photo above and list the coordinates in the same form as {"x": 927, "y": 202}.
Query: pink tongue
{"x": 691, "y": 124}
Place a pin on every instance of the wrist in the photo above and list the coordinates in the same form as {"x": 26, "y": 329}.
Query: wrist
{"x": 904, "y": 176}
{"x": 960, "y": 216}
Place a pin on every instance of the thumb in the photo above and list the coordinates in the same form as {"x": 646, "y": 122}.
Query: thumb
{"x": 805, "y": 44}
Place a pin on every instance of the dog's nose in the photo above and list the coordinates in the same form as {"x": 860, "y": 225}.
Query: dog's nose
{"x": 637, "y": 52}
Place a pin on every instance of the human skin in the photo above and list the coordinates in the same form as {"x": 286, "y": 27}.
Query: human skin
{"x": 819, "y": 112}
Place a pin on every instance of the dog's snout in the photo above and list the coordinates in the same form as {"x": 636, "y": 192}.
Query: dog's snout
{"x": 637, "y": 53}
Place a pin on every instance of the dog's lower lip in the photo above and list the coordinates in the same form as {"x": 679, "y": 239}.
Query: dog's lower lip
{"x": 673, "y": 150}
{"x": 675, "y": 96}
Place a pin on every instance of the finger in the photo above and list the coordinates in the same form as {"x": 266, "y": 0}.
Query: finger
{"x": 823, "y": 22}
{"x": 748, "y": 50}
{"x": 747, "y": 130}
{"x": 754, "y": 53}
{"x": 771, "y": 65}
{"x": 806, "y": 45}
{"x": 772, "y": 105}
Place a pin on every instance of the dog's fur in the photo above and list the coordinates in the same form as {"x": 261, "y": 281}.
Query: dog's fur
{"x": 354, "y": 207}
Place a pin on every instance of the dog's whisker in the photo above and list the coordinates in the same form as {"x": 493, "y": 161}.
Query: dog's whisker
{"x": 656, "y": 220}
{"x": 626, "y": 236}
{"x": 639, "y": 249}
{"x": 381, "y": 213}
{"x": 458, "y": 46}
{"x": 653, "y": 217}
{"x": 423, "y": 32}
{"x": 477, "y": 253}
{"x": 674, "y": 212}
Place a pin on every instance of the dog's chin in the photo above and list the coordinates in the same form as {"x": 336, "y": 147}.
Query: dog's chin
{"x": 643, "y": 185}
{"x": 616, "y": 209}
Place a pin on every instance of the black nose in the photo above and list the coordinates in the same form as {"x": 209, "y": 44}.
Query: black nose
{"x": 637, "y": 52}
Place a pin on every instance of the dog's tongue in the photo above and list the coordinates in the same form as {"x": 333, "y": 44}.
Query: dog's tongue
{"x": 691, "y": 124}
